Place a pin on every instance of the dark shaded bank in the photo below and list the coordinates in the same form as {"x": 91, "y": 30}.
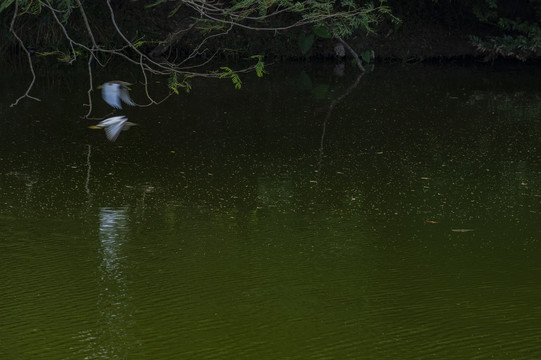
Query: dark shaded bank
{"x": 428, "y": 30}
{"x": 415, "y": 43}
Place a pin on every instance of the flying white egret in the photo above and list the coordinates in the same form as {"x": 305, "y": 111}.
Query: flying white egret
{"x": 113, "y": 126}
{"x": 114, "y": 92}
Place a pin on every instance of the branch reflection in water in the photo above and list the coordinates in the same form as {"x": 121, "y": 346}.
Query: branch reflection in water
{"x": 328, "y": 116}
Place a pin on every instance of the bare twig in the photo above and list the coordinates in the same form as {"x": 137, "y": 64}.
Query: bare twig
{"x": 71, "y": 42}
{"x": 12, "y": 30}
{"x": 90, "y": 89}
{"x": 196, "y": 50}
{"x": 166, "y": 66}
{"x": 171, "y": 38}
{"x": 83, "y": 14}
{"x": 352, "y": 52}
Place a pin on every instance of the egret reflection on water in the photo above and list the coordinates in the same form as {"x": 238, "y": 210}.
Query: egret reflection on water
{"x": 112, "y": 233}
{"x": 114, "y": 301}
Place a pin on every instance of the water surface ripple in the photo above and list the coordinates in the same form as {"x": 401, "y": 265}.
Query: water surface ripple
{"x": 298, "y": 218}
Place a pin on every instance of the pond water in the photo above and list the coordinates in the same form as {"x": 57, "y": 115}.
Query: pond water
{"x": 305, "y": 216}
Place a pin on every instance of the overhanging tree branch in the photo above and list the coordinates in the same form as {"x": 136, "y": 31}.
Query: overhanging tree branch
{"x": 213, "y": 21}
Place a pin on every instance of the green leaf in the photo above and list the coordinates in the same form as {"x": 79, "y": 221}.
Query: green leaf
{"x": 237, "y": 82}
{"x": 235, "y": 78}
{"x": 5, "y": 4}
{"x": 365, "y": 56}
{"x": 174, "y": 84}
{"x": 34, "y": 8}
{"x": 227, "y": 72}
{"x": 322, "y": 32}
{"x": 305, "y": 42}
{"x": 60, "y": 56}
{"x": 174, "y": 11}
{"x": 140, "y": 43}
{"x": 259, "y": 67}
{"x": 158, "y": 2}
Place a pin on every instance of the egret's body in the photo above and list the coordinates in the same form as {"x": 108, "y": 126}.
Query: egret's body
{"x": 113, "y": 126}
{"x": 116, "y": 92}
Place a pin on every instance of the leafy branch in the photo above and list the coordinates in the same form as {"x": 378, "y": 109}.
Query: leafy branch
{"x": 208, "y": 22}
{"x": 173, "y": 84}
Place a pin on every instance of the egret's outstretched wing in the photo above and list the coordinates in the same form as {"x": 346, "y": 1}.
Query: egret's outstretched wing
{"x": 111, "y": 94}
{"x": 111, "y": 121}
{"x": 112, "y": 131}
{"x": 107, "y": 122}
{"x": 125, "y": 96}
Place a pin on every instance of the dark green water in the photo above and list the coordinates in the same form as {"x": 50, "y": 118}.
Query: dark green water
{"x": 279, "y": 221}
